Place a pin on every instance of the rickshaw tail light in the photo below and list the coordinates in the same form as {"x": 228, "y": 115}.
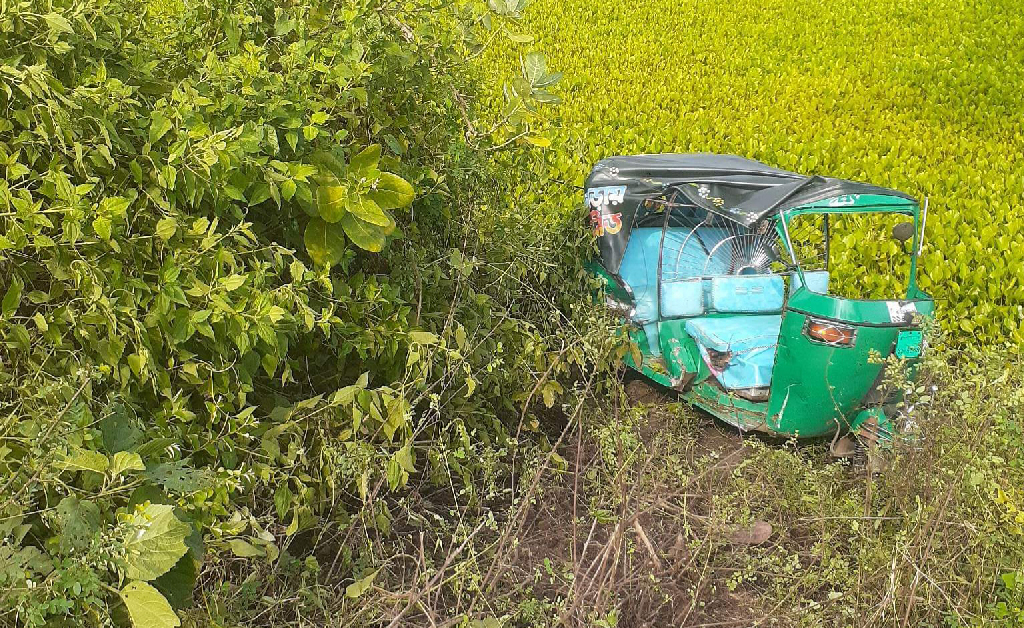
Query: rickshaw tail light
{"x": 830, "y": 333}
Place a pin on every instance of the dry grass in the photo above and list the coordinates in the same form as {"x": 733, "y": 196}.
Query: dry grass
{"x": 642, "y": 512}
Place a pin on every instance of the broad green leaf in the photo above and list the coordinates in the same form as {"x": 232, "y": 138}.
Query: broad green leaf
{"x": 548, "y": 392}
{"x": 244, "y": 549}
{"x": 269, "y": 362}
{"x": 331, "y": 201}
{"x": 392, "y": 192}
{"x": 548, "y": 80}
{"x": 518, "y": 38}
{"x": 423, "y": 337}
{"x": 114, "y": 205}
{"x": 177, "y": 476}
{"x": 78, "y": 522}
{"x": 360, "y": 586}
{"x": 119, "y": 431}
{"x": 396, "y": 475}
{"x": 283, "y": 25}
{"x": 178, "y": 583}
{"x": 124, "y": 461}
{"x": 368, "y": 211}
{"x": 165, "y": 228}
{"x": 85, "y": 460}
{"x": 12, "y": 298}
{"x": 366, "y": 236}
{"x": 232, "y": 282}
{"x": 156, "y": 541}
{"x": 325, "y": 242}
{"x": 404, "y": 458}
{"x": 58, "y": 23}
{"x": 102, "y": 227}
{"x": 147, "y": 607}
{"x": 546, "y": 97}
{"x": 260, "y": 192}
{"x": 282, "y": 500}
{"x": 366, "y": 160}
{"x": 288, "y": 189}
{"x": 159, "y": 125}
{"x": 276, "y": 313}
{"x": 535, "y": 67}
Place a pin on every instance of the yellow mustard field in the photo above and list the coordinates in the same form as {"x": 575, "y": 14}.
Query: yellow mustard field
{"x": 923, "y": 97}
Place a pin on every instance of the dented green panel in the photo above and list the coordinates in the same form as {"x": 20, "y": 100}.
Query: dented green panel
{"x": 817, "y": 388}
{"x": 744, "y": 414}
{"x": 680, "y": 351}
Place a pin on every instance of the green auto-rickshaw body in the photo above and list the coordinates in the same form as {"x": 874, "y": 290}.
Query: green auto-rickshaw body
{"x": 697, "y": 253}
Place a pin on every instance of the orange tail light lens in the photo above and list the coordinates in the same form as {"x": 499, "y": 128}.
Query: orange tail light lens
{"x": 830, "y": 333}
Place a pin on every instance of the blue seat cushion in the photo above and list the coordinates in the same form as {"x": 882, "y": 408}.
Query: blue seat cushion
{"x": 751, "y": 340}
{"x": 747, "y": 293}
{"x": 682, "y": 298}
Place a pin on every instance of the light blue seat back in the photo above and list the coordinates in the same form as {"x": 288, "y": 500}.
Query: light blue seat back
{"x": 747, "y": 293}
{"x": 687, "y": 258}
{"x": 686, "y": 254}
{"x": 682, "y": 298}
{"x": 639, "y": 269}
{"x": 817, "y": 281}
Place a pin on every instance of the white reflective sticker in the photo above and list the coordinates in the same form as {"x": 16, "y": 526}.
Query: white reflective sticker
{"x": 901, "y": 311}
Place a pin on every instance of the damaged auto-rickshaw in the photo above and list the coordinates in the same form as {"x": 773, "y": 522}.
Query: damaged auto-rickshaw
{"x": 721, "y": 266}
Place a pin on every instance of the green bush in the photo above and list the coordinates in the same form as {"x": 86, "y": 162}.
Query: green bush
{"x": 223, "y": 323}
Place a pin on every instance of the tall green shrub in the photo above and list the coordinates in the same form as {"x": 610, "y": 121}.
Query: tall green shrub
{"x": 223, "y": 313}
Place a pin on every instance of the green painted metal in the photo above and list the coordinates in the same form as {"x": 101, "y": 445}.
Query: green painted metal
{"x": 612, "y": 286}
{"x": 909, "y": 343}
{"x": 744, "y": 414}
{"x": 884, "y": 429}
{"x": 818, "y": 388}
{"x": 680, "y": 351}
{"x": 858, "y": 203}
{"x": 857, "y": 311}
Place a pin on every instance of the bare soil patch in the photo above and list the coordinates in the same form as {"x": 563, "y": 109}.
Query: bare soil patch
{"x": 637, "y": 539}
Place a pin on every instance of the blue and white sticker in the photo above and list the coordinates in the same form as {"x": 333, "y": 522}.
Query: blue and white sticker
{"x": 901, "y": 311}
{"x": 846, "y": 200}
{"x": 608, "y": 195}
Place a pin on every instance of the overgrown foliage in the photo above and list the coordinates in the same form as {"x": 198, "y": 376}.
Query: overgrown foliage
{"x": 293, "y": 316}
{"x": 226, "y": 322}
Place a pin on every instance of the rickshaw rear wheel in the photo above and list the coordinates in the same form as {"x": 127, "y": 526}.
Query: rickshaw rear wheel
{"x": 845, "y": 447}
{"x": 864, "y": 443}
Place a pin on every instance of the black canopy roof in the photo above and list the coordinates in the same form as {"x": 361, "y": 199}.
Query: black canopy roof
{"x": 738, "y": 189}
